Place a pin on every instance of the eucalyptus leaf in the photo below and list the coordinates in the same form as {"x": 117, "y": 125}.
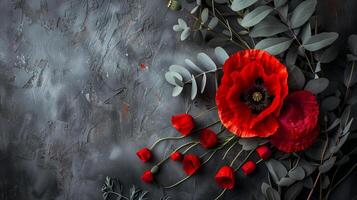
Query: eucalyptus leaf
{"x": 205, "y": 60}
{"x": 320, "y": 41}
{"x": 352, "y": 43}
{"x": 283, "y": 13}
{"x": 268, "y": 27}
{"x": 182, "y": 23}
{"x": 194, "y": 10}
{"x": 296, "y": 78}
{"x": 256, "y": 16}
{"x": 291, "y": 56}
{"x": 308, "y": 167}
{"x": 278, "y": 3}
{"x": 185, "y": 33}
{"x": 333, "y": 125}
{"x": 293, "y": 192}
{"x": 274, "y": 46}
{"x": 204, "y": 15}
{"x": 193, "y": 66}
{"x": 298, "y": 173}
{"x": 203, "y": 82}
{"x": 221, "y": 55}
{"x": 264, "y": 188}
{"x": 238, "y": 5}
{"x": 350, "y": 75}
{"x": 182, "y": 71}
{"x": 193, "y": 88}
{"x": 177, "y": 28}
{"x": 272, "y": 194}
{"x": 329, "y": 54}
{"x": 330, "y": 103}
{"x": 286, "y": 181}
{"x": 302, "y": 13}
{"x": 276, "y": 169}
{"x": 317, "y": 85}
{"x": 177, "y": 91}
{"x": 306, "y": 33}
{"x": 327, "y": 165}
{"x": 213, "y": 23}
{"x": 170, "y": 77}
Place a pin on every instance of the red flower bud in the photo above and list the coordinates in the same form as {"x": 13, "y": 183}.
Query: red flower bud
{"x": 147, "y": 177}
{"x": 176, "y": 156}
{"x": 183, "y": 123}
{"x": 208, "y": 138}
{"x": 248, "y": 167}
{"x": 191, "y": 163}
{"x": 263, "y": 152}
{"x": 144, "y": 154}
{"x": 225, "y": 177}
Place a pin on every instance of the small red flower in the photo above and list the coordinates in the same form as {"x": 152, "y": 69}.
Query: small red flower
{"x": 225, "y": 177}
{"x": 144, "y": 154}
{"x": 248, "y": 167}
{"x": 251, "y": 93}
{"x": 263, "y": 152}
{"x": 191, "y": 163}
{"x": 208, "y": 138}
{"x": 147, "y": 177}
{"x": 298, "y": 123}
{"x": 176, "y": 156}
{"x": 183, "y": 123}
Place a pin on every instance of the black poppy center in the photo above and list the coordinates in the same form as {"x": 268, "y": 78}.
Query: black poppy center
{"x": 257, "y": 97}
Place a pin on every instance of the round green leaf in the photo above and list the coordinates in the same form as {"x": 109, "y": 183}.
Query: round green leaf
{"x": 205, "y": 60}
{"x": 238, "y": 5}
{"x": 320, "y": 41}
{"x": 268, "y": 27}
{"x": 182, "y": 71}
{"x": 170, "y": 77}
{"x": 221, "y": 54}
{"x": 302, "y": 13}
{"x": 274, "y": 46}
{"x": 317, "y": 85}
{"x": 256, "y": 16}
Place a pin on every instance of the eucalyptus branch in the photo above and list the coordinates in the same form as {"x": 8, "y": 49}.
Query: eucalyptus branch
{"x": 206, "y": 72}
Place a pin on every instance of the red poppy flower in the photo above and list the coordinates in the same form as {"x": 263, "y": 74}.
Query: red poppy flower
{"x": 176, "y": 156}
{"x": 263, "y": 152}
{"x": 183, "y": 123}
{"x": 191, "y": 163}
{"x": 298, "y": 123}
{"x": 225, "y": 177}
{"x": 147, "y": 177}
{"x": 144, "y": 154}
{"x": 251, "y": 93}
{"x": 208, "y": 138}
{"x": 248, "y": 167}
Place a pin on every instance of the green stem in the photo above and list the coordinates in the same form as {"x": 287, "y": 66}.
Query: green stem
{"x": 245, "y": 160}
{"x": 177, "y": 149}
{"x": 165, "y": 138}
{"x": 236, "y": 157}
{"x": 206, "y": 161}
{"x": 229, "y": 149}
{"x": 220, "y": 194}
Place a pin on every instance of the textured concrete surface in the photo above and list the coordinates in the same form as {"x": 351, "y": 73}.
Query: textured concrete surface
{"x": 75, "y": 104}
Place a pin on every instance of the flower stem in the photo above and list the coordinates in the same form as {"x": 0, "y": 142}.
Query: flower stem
{"x": 181, "y": 137}
{"x": 206, "y": 161}
{"x": 177, "y": 149}
{"x": 166, "y": 138}
{"x": 220, "y": 194}
{"x": 245, "y": 159}
{"x": 231, "y": 147}
{"x": 236, "y": 157}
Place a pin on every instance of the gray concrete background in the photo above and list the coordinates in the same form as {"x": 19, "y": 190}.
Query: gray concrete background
{"x": 75, "y": 105}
